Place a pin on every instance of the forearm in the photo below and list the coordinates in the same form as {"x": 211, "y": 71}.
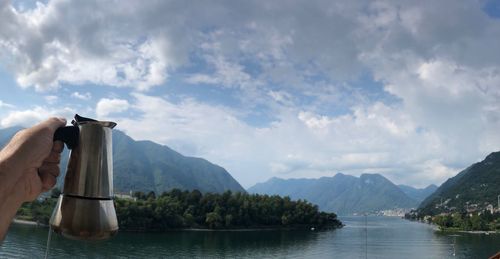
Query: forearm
{"x": 8, "y": 210}
{"x": 8, "y": 176}
{"x": 10, "y": 200}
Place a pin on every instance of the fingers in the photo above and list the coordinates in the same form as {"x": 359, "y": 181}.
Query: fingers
{"x": 58, "y": 146}
{"x": 48, "y": 173}
{"x": 54, "y": 157}
{"x": 53, "y": 123}
{"x": 51, "y": 168}
{"x": 48, "y": 181}
{"x": 55, "y": 153}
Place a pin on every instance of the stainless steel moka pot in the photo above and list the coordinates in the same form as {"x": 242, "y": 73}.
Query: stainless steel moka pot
{"x": 85, "y": 209}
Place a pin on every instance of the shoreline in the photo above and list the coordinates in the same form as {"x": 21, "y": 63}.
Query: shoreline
{"x": 439, "y": 229}
{"x": 37, "y": 224}
{"x": 486, "y": 232}
{"x": 475, "y": 232}
{"x": 234, "y": 229}
{"x": 454, "y": 230}
{"x": 28, "y": 222}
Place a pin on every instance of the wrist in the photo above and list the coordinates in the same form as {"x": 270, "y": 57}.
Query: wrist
{"x": 8, "y": 209}
{"x": 8, "y": 179}
{"x": 4, "y": 177}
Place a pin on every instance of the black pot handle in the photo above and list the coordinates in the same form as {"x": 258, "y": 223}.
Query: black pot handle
{"x": 68, "y": 135}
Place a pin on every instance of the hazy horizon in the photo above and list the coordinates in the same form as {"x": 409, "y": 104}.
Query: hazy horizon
{"x": 293, "y": 89}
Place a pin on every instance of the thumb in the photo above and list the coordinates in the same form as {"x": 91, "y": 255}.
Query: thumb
{"x": 54, "y": 123}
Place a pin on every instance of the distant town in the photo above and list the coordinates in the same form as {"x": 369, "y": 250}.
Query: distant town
{"x": 471, "y": 217}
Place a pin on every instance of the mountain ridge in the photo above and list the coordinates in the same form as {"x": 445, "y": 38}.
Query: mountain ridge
{"x": 341, "y": 193}
{"x": 478, "y": 184}
{"x": 418, "y": 194}
{"x": 147, "y": 166}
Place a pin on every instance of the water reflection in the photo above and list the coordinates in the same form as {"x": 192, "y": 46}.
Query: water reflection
{"x": 387, "y": 238}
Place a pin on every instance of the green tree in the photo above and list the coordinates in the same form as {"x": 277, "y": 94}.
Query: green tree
{"x": 443, "y": 221}
{"x": 151, "y": 195}
{"x": 213, "y": 220}
{"x": 478, "y": 223}
{"x": 183, "y": 209}
{"x": 229, "y": 220}
{"x": 139, "y": 195}
{"x": 457, "y": 220}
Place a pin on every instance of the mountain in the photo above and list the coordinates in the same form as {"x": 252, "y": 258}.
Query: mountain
{"x": 147, "y": 166}
{"x": 342, "y": 194}
{"x": 418, "y": 194}
{"x": 6, "y": 134}
{"x": 476, "y": 186}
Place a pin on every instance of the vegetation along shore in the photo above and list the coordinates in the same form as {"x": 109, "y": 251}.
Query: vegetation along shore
{"x": 194, "y": 210}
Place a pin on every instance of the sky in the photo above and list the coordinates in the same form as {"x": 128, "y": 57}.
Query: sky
{"x": 289, "y": 89}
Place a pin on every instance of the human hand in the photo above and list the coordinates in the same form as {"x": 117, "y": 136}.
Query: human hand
{"x": 32, "y": 159}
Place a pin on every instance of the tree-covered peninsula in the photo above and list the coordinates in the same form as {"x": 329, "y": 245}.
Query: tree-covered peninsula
{"x": 194, "y": 210}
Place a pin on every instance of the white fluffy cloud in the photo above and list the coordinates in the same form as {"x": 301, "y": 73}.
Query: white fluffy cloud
{"x": 137, "y": 44}
{"x": 81, "y": 96}
{"x": 107, "y": 106}
{"x": 438, "y": 61}
{"x": 29, "y": 117}
{"x": 53, "y": 43}
{"x": 298, "y": 144}
{"x": 5, "y": 105}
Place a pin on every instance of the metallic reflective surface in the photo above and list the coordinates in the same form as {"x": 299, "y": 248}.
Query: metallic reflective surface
{"x": 85, "y": 210}
{"x": 84, "y": 219}
{"x": 108, "y": 124}
{"x": 90, "y": 167}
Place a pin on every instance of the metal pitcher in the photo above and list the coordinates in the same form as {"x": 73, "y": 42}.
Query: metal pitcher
{"x": 85, "y": 209}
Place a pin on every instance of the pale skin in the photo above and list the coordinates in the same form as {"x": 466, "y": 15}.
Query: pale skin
{"x": 29, "y": 165}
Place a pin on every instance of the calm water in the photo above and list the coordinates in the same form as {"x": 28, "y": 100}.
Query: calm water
{"x": 387, "y": 238}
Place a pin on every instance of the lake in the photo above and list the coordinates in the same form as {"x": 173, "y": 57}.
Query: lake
{"x": 386, "y": 238}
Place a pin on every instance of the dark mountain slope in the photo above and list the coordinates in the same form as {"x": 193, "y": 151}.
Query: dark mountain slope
{"x": 147, "y": 166}
{"x": 478, "y": 184}
{"x": 342, "y": 194}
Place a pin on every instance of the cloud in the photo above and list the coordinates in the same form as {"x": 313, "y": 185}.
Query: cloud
{"x": 47, "y": 47}
{"x": 374, "y": 139}
{"x": 281, "y": 96}
{"x": 51, "y": 44}
{"x": 29, "y": 117}
{"x": 227, "y": 74}
{"x": 202, "y": 79}
{"x": 409, "y": 89}
{"x": 51, "y": 99}
{"x": 138, "y": 45}
{"x": 82, "y": 96}
{"x": 107, "y": 106}
{"x": 6, "y": 105}
{"x": 454, "y": 101}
